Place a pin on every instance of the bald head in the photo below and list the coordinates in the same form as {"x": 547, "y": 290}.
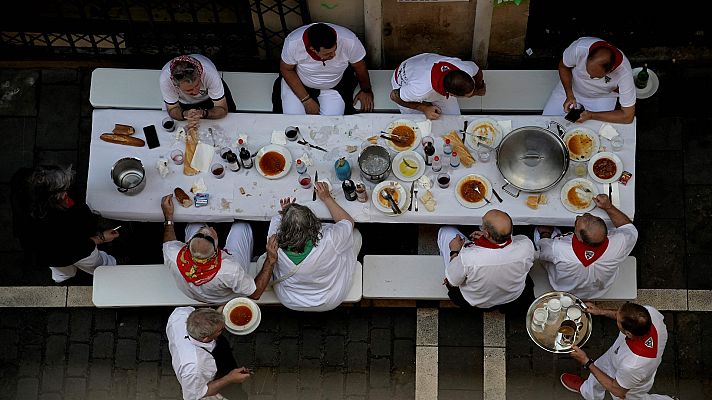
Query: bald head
{"x": 498, "y": 225}
{"x": 590, "y": 230}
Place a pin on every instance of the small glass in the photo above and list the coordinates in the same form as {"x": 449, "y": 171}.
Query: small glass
{"x": 168, "y": 124}
{"x": 305, "y": 180}
{"x": 443, "y": 180}
{"x": 484, "y": 154}
{"x": 539, "y": 319}
{"x": 427, "y": 139}
{"x": 617, "y": 143}
{"x": 580, "y": 169}
{"x": 177, "y": 157}
{"x": 218, "y": 170}
{"x": 291, "y": 133}
{"x": 224, "y": 151}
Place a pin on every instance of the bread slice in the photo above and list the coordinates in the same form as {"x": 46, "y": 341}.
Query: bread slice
{"x": 121, "y": 129}
{"x": 533, "y": 202}
{"x": 182, "y": 197}
{"x": 122, "y": 139}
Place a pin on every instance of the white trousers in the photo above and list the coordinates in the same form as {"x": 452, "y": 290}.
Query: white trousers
{"x": 87, "y": 264}
{"x": 555, "y": 104}
{"x": 448, "y": 106}
{"x": 239, "y": 241}
{"x": 330, "y": 102}
{"x": 445, "y": 236}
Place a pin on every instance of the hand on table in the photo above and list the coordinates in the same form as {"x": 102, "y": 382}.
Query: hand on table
{"x": 585, "y": 116}
{"x": 238, "y": 375}
{"x": 167, "y": 207}
{"x": 366, "y": 100}
{"x": 579, "y": 355}
{"x": 432, "y": 111}
{"x": 456, "y": 243}
{"x": 603, "y": 201}
{"x": 311, "y": 107}
{"x": 322, "y": 190}
{"x": 283, "y": 203}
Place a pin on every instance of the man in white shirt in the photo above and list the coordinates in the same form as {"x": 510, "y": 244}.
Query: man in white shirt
{"x": 430, "y": 84}
{"x": 586, "y": 262}
{"x": 201, "y": 356}
{"x": 627, "y": 370}
{"x": 205, "y": 272}
{"x": 315, "y": 261}
{"x": 192, "y": 89}
{"x": 317, "y": 72}
{"x": 596, "y": 75}
{"x": 492, "y": 269}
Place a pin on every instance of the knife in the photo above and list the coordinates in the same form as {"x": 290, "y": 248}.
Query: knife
{"x": 316, "y": 179}
{"x": 610, "y": 192}
{"x": 494, "y": 192}
{"x": 412, "y": 186}
{"x": 311, "y": 145}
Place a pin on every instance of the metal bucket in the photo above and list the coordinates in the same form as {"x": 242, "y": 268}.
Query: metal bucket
{"x": 129, "y": 176}
{"x": 374, "y": 163}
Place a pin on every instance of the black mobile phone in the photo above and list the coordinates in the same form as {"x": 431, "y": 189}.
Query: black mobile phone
{"x": 574, "y": 114}
{"x": 151, "y": 136}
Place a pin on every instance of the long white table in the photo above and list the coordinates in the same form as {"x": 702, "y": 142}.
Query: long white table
{"x": 261, "y": 198}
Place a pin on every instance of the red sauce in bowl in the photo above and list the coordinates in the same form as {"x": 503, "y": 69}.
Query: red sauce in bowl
{"x": 241, "y": 315}
{"x": 272, "y": 163}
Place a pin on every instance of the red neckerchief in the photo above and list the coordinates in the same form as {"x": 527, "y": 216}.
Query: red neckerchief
{"x": 618, "y": 56}
{"x": 197, "y": 271}
{"x": 437, "y": 76}
{"x": 482, "y": 242}
{"x": 307, "y": 46}
{"x": 588, "y": 254}
{"x": 68, "y": 201}
{"x": 645, "y": 346}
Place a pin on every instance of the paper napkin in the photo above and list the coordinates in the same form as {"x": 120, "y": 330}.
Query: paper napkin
{"x": 608, "y": 131}
{"x": 278, "y": 137}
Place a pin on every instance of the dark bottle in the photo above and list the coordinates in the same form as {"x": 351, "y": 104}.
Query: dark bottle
{"x": 246, "y": 158}
{"x": 641, "y": 80}
{"x": 232, "y": 162}
{"x": 429, "y": 151}
{"x": 349, "y": 190}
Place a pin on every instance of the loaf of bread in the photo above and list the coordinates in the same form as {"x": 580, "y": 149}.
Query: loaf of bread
{"x": 191, "y": 141}
{"x": 182, "y": 197}
{"x": 122, "y": 139}
{"x": 459, "y": 147}
{"x": 121, "y": 129}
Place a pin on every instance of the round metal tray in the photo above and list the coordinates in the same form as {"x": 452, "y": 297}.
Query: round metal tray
{"x": 548, "y": 339}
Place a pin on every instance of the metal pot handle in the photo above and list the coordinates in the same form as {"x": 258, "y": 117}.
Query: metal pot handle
{"x": 559, "y": 128}
{"x": 122, "y": 190}
{"x": 510, "y": 193}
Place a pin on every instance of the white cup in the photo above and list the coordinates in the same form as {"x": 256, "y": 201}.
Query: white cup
{"x": 573, "y": 313}
{"x": 566, "y": 301}
{"x": 539, "y": 319}
{"x": 554, "y": 308}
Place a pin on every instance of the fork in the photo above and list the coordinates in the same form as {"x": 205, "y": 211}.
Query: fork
{"x": 477, "y": 189}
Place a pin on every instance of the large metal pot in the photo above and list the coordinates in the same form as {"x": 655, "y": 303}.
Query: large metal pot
{"x": 129, "y": 176}
{"x": 532, "y": 159}
{"x": 374, "y": 163}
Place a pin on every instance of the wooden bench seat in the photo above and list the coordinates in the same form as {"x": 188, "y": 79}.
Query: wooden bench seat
{"x": 153, "y": 285}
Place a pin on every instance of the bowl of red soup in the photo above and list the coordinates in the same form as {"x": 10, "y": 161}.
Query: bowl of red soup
{"x": 605, "y": 167}
{"x": 242, "y": 316}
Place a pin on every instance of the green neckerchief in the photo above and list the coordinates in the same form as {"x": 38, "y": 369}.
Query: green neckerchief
{"x": 297, "y": 258}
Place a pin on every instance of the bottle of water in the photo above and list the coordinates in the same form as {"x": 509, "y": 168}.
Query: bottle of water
{"x": 437, "y": 164}
{"x": 447, "y": 147}
{"x": 301, "y": 167}
{"x": 454, "y": 160}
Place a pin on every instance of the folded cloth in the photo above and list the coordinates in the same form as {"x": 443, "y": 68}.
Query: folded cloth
{"x": 608, "y": 131}
{"x": 203, "y": 157}
{"x": 505, "y": 125}
{"x": 278, "y": 137}
{"x": 425, "y": 127}
{"x": 616, "y": 194}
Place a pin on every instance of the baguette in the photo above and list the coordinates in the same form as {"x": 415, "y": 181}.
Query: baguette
{"x": 191, "y": 141}
{"x": 122, "y": 139}
{"x": 121, "y": 129}
{"x": 459, "y": 147}
{"x": 182, "y": 197}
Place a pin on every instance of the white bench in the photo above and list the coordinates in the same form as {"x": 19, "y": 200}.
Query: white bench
{"x": 625, "y": 286}
{"x": 252, "y": 91}
{"x": 153, "y": 285}
{"x": 125, "y": 88}
{"x": 404, "y": 277}
{"x": 517, "y": 90}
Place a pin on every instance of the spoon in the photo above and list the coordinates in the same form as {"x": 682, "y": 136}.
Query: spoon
{"x": 394, "y": 206}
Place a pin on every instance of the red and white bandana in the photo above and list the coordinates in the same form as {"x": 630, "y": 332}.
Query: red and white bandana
{"x": 588, "y": 254}
{"x": 437, "y": 76}
{"x": 308, "y": 47}
{"x": 198, "y": 66}
{"x": 645, "y": 346}
{"x": 198, "y": 271}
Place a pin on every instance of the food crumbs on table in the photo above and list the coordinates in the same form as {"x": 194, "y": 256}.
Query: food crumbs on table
{"x": 225, "y": 203}
{"x": 239, "y": 210}
{"x": 351, "y": 149}
{"x": 242, "y": 190}
{"x": 543, "y": 199}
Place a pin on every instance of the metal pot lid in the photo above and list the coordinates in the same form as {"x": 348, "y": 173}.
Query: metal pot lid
{"x": 532, "y": 158}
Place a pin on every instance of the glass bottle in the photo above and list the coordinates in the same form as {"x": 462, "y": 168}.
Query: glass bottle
{"x": 437, "y": 164}
{"x": 641, "y": 79}
{"x": 454, "y": 160}
{"x": 361, "y": 193}
{"x": 246, "y": 158}
{"x": 232, "y": 162}
{"x": 343, "y": 169}
{"x": 301, "y": 167}
{"x": 349, "y": 189}
{"x": 428, "y": 150}
{"x": 447, "y": 147}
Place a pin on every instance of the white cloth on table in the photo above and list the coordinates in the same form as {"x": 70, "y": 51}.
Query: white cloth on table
{"x": 232, "y": 280}
{"x": 567, "y": 274}
{"x": 87, "y": 264}
{"x": 631, "y": 371}
{"x": 330, "y": 102}
{"x": 487, "y": 277}
{"x": 203, "y": 157}
{"x": 315, "y": 73}
{"x": 607, "y": 131}
{"x": 325, "y": 276}
{"x": 593, "y": 94}
{"x": 211, "y": 86}
{"x": 193, "y": 364}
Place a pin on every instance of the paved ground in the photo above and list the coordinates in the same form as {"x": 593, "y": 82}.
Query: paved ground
{"x": 351, "y": 352}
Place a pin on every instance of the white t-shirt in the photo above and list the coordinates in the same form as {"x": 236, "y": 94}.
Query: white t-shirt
{"x": 192, "y": 362}
{"x": 490, "y": 277}
{"x": 414, "y": 76}
{"x": 315, "y": 73}
{"x": 211, "y": 86}
{"x": 634, "y": 369}
{"x": 231, "y": 281}
{"x": 622, "y": 77}
{"x": 324, "y": 277}
{"x": 567, "y": 274}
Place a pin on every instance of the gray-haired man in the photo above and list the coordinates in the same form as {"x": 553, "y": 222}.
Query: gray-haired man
{"x": 201, "y": 356}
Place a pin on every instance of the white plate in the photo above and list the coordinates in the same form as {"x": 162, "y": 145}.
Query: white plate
{"x": 402, "y": 197}
{"x": 468, "y": 204}
{"x": 252, "y": 325}
{"x": 413, "y": 159}
{"x": 279, "y": 149}
{"x": 595, "y": 145}
{"x": 611, "y": 156}
{"x": 581, "y": 183}
{"x": 405, "y": 122}
{"x": 480, "y": 127}
{"x": 650, "y": 88}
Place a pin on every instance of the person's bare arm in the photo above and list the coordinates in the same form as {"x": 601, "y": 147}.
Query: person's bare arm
{"x": 289, "y": 74}
{"x": 593, "y": 309}
{"x": 606, "y": 381}
{"x": 219, "y": 109}
{"x": 263, "y": 277}
{"x": 175, "y": 112}
{"x": 623, "y": 116}
{"x": 480, "y": 86}
{"x": 365, "y": 95}
{"x": 430, "y": 111}
{"x": 567, "y": 78}
{"x": 237, "y": 375}
{"x": 169, "y": 232}
{"x": 337, "y": 213}
{"x": 616, "y": 215}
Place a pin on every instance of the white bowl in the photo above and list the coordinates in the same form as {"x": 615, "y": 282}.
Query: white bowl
{"x": 250, "y": 326}
{"x": 583, "y": 184}
{"x": 412, "y": 125}
{"x": 402, "y": 197}
{"x": 278, "y": 149}
{"x": 611, "y": 156}
{"x": 412, "y": 158}
{"x": 593, "y": 136}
